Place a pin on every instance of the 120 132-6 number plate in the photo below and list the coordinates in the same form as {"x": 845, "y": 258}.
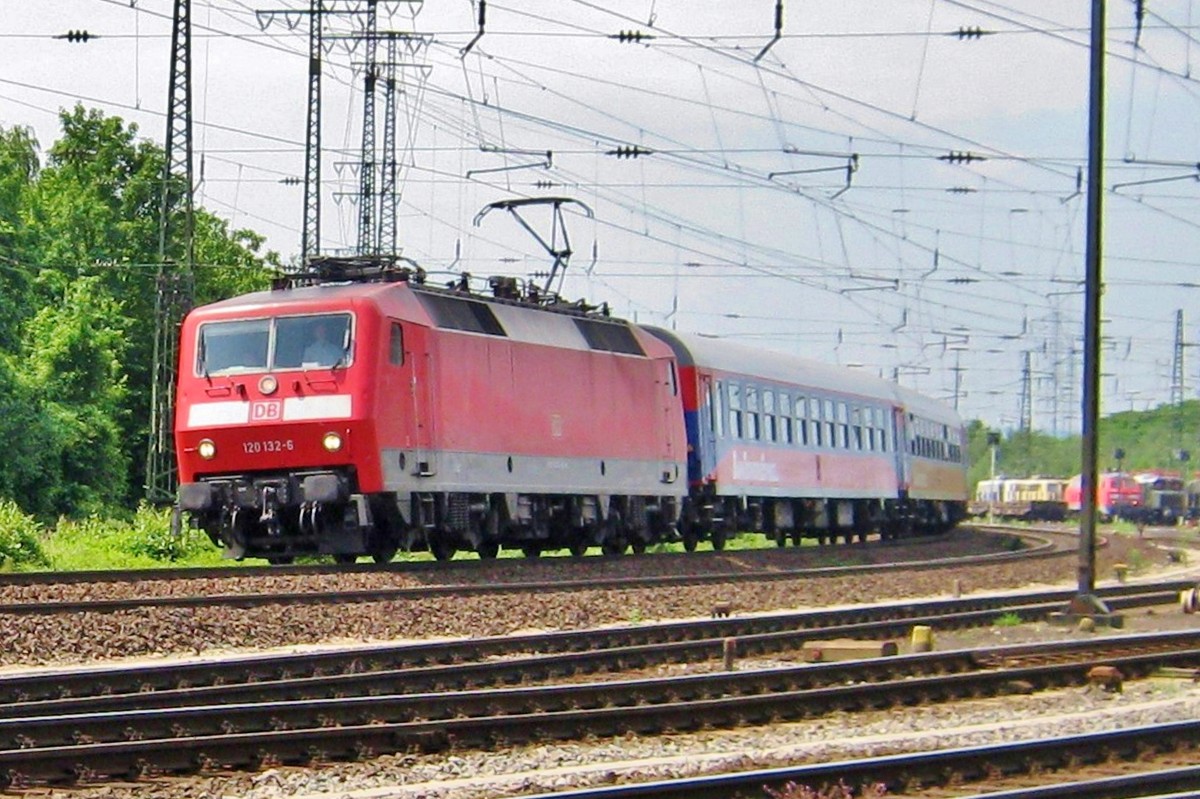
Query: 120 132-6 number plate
{"x": 268, "y": 446}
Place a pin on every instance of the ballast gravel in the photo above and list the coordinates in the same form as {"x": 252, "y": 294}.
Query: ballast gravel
{"x": 542, "y": 768}
{"x": 539, "y": 768}
{"x": 68, "y": 639}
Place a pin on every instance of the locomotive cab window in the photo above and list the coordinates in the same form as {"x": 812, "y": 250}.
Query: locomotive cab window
{"x": 312, "y": 342}
{"x": 396, "y": 345}
{"x": 260, "y": 345}
{"x": 232, "y": 347}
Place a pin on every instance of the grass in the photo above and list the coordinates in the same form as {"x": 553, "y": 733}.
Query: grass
{"x": 142, "y": 540}
{"x": 1009, "y": 619}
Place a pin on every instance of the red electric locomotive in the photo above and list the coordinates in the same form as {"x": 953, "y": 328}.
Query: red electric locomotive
{"x": 1118, "y": 496}
{"x": 369, "y": 412}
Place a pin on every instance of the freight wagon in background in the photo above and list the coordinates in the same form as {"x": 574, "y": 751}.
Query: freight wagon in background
{"x": 1034, "y": 498}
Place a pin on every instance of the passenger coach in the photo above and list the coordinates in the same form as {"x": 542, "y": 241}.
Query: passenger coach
{"x": 794, "y": 447}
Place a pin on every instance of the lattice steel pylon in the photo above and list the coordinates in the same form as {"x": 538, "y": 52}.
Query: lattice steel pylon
{"x": 1026, "y": 391}
{"x": 176, "y": 253}
{"x": 367, "y": 204}
{"x": 310, "y": 242}
{"x": 386, "y": 242}
{"x": 1177, "y": 381}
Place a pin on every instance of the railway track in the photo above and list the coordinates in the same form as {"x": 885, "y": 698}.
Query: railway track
{"x": 493, "y": 661}
{"x": 67, "y": 746}
{"x": 769, "y": 570}
{"x": 928, "y": 773}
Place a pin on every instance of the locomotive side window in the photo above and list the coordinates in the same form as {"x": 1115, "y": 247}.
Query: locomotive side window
{"x": 396, "y": 345}
{"x": 229, "y": 347}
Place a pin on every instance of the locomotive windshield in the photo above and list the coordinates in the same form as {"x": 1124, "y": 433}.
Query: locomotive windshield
{"x": 289, "y": 342}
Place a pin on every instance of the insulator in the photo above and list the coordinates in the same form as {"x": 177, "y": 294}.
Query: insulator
{"x": 971, "y": 32}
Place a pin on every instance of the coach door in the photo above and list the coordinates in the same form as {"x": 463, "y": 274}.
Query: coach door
{"x": 709, "y": 418}
{"x": 900, "y": 443}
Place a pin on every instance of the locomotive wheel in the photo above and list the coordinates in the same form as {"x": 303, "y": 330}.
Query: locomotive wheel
{"x": 718, "y": 540}
{"x": 442, "y": 550}
{"x": 614, "y": 546}
{"x": 780, "y": 538}
{"x": 384, "y": 554}
{"x": 531, "y": 550}
{"x": 488, "y": 550}
{"x": 578, "y": 548}
{"x": 280, "y": 560}
{"x": 344, "y": 558}
{"x": 689, "y": 539}
{"x": 639, "y": 546}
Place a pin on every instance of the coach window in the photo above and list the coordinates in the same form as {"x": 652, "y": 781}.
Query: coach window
{"x": 752, "y": 413}
{"x": 843, "y": 426}
{"x": 735, "y": 410}
{"x": 830, "y": 417}
{"x": 801, "y": 409}
{"x": 815, "y": 425}
{"x": 770, "y": 431}
{"x": 785, "y": 418}
{"x": 396, "y": 345}
{"x": 718, "y": 410}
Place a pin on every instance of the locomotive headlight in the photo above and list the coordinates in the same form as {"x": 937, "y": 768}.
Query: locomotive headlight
{"x": 268, "y": 385}
{"x": 207, "y": 449}
{"x": 332, "y": 442}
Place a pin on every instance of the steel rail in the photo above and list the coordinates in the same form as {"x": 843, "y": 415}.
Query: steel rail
{"x": 519, "y": 670}
{"x": 1183, "y": 782}
{"x": 816, "y": 690}
{"x": 908, "y": 773}
{"x": 120, "y": 744}
{"x": 658, "y": 643}
{"x": 1046, "y": 549}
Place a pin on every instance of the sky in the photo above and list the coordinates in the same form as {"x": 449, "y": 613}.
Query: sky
{"x": 894, "y": 186}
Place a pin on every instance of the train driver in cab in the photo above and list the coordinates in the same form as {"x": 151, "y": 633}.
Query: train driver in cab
{"x": 322, "y": 350}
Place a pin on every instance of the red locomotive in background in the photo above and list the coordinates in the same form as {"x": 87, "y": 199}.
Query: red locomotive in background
{"x": 357, "y": 411}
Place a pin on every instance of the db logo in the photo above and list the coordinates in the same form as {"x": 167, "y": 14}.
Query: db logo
{"x": 266, "y": 411}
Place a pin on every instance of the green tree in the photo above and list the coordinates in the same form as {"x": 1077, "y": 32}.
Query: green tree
{"x": 18, "y": 170}
{"x": 73, "y": 354}
{"x": 79, "y": 241}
